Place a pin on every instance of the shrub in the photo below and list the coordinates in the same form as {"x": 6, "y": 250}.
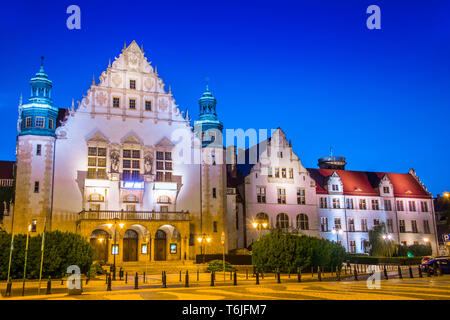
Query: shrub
{"x": 96, "y": 269}
{"x": 288, "y": 252}
{"x": 217, "y": 265}
{"x": 62, "y": 249}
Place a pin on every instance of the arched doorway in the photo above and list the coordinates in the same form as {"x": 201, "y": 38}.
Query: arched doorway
{"x": 130, "y": 245}
{"x": 99, "y": 241}
{"x": 160, "y": 245}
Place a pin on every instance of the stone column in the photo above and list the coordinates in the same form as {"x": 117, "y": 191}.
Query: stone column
{"x": 152, "y": 249}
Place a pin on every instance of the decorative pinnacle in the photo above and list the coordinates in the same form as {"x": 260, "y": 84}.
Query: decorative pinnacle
{"x": 93, "y": 80}
{"x": 207, "y": 84}
{"x": 109, "y": 63}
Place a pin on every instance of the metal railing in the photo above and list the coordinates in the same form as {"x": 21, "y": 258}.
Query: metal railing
{"x": 134, "y": 215}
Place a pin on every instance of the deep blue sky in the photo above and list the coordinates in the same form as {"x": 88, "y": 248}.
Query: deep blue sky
{"x": 380, "y": 97}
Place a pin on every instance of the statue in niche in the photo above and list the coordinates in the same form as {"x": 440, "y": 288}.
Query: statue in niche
{"x": 115, "y": 161}
{"x": 148, "y": 164}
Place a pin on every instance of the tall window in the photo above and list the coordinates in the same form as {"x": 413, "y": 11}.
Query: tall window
{"x": 291, "y": 173}
{"x": 302, "y": 222}
{"x": 324, "y": 224}
{"x": 282, "y": 221}
{"x": 269, "y": 172}
{"x": 363, "y": 204}
{"x": 364, "y": 225}
{"x": 400, "y": 205}
{"x": 424, "y": 206}
{"x": 412, "y": 206}
{"x": 96, "y": 163}
{"x": 387, "y": 205}
{"x": 365, "y": 246}
{"x": 301, "y": 197}
{"x": 262, "y": 217}
{"x": 164, "y": 166}
{"x": 376, "y": 222}
{"x": 163, "y": 199}
{"x": 337, "y": 224}
{"x": 426, "y": 226}
{"x": 27, "y": 122}
{"x": 349, "y": 203}
{"x": 386, "y": 189}
{"x": 36, "y": 187}
{"x": 132, "y": 84}
{"x": 335, "y": 187}
{"x": 148, "y": 105}
{"x": 336, "y": 203}
{"x": 414, "y": 226}
{"x": 283, "y": 173}
{"x": 375, "y": 205}
{"x": 401, "y": 226}
{"x": 390, "y": 226}
{"x": 281, "y": 195}
{"x": 261, "y": 194}
{"x": 323, "y": 202}
{"x": 214, "y": 193}
{"x": 352, "y": 246}
{"x": 277, "y": 172}
{"x": 50, "y": 123}
{"x": 351, "y": 224}
{"x": 132, "y": 104}
{"x": 116, "y": 102}
{"x": 38, "y": 149}
{"x": 131, "y": 164}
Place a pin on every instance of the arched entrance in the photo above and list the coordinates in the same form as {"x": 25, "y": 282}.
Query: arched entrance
{"x": 130, "y": 245}
{"x": 160, "y": 245}
{"x": 99, "y": 241}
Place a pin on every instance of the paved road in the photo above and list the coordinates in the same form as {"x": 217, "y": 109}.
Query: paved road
{"x": 433, "y": 288}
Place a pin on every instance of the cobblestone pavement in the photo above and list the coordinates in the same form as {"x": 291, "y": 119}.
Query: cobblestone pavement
{"x": 426, "y": 288}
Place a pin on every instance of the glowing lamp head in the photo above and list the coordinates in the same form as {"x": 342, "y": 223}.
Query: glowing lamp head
{"x": 264, "y": 225}
{"x": 425, "y": 240}
{"x": 341, "y": 231}
{"x": 333, "y": 231}
{"x": 199, "y": 239}
{"x": 255, "y": 225}
{"x": 29, "y": 227}
{"x": 446, "y": 194}
{"x": 109, "y": 225}
{"x": 389, "y": 237}
{"x": 121, "y": 225}
{"x": 208, "y": 239}
{"x": 101, "y": 240}
{"x": 384, "y": 236}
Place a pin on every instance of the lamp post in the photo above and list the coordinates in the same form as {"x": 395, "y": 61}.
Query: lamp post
{"x": 26, "y": 257}
{"x": 337, "y": 232}
{"x": 259, "y": 225}
{"x": 114, "y": 245}
{"x": 222, "y": 239}
{"x": 203, "y": 239}
{"x": 388, "y": 238}
{"x": 147, "y": 240}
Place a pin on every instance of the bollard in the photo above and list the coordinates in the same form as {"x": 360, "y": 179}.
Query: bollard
{"x": 198, "y": 275}
{"x": 400, "y": 276}
{"x": 120, "y": 273}
{"x": 163, "y": 279}
{"x": 136, "y": 281}
{"x": 262, "y": 275}
{"x": 106, "y": 280}
{"x": 126, "y": 277}
{"x": 144, "y": 277}
{"x": 180, "y": 275}
{"x": 385, "y": 273}
{"x": 231, "y": 275}
{"x": 289, "y": 274}
{"x": 319, "y": 274}
{"x": 49, "y": 286}
{"x": 420, "y": 272}
{"x": 246, "y": 274}
{"x": 235, "y": 278}
{"x": 186, "y": 281}
{"x": 257, "y": 278}
{"x": 8, "y": 289}
{"x": 299, "y": 275}
{"x": 410, "y": 273}
{"x": 88, "y": 278}
{"x": 278, "y": 276}
{"x": 312, "y": 272}
{"x": 108, "y": 288}
{"x": 355, "y": 273}
{"x": 212, "y": 278}
{"x": 62, "y": 281}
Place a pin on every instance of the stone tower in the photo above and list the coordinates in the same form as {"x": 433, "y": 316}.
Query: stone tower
{"x": 35, "y": 157}
{"x": 213, "y": 174}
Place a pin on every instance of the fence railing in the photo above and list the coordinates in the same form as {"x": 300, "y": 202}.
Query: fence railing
{"x": 134, "y": 215}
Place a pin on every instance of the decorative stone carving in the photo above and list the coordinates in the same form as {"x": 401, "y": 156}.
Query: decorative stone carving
{"x": 117, "y": 80}
{"x": 163, "y": 104}
{"x": 148, "y": 83}
{"x": 101, "y": 98}
{"x": 148, "y": 163}
{"x": 115, "y": 161}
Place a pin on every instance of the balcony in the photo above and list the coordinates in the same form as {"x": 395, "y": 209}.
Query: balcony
{"x": 134, "y": 215}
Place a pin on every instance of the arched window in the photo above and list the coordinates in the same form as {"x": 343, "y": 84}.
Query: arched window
{"x": 282, "y": 221}
{"x": 302, "y": 221}
{"x": 163, "y": 199}
{"x": 130, "y": 198}
{"x": 262, "y": 217}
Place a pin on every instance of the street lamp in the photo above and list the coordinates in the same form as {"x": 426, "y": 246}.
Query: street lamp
{"x": 387, "y": 237}
{"x": 446, "y": 194}
{"x": 203, "y": 239}
{"x": 26, "y": 257}
{"x": 121, "y": 225}
{"x": 259, "y": 225}
{"x": 337, "y": 232}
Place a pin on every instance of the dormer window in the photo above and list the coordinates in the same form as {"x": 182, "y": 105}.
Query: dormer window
{"x": 386, "y": 189}
{"x": 335, "y": 187}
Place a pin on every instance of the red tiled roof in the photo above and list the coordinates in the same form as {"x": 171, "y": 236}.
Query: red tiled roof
{"x": 366, "y": 183}
{"x": 7, "y": 169}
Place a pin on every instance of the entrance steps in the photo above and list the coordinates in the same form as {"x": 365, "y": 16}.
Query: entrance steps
{"x": 156, "y": 267}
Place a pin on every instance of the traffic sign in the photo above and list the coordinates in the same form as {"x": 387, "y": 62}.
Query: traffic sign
{"x": 446, "y": 237}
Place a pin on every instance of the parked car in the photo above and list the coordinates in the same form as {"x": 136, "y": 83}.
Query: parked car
{"x": 434, "y": 263}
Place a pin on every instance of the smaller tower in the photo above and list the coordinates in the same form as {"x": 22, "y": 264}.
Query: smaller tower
{"x": 208, "y": 126}
{"x": 35, "y": 157}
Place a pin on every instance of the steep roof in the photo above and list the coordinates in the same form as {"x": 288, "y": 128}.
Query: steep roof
{"x": 7, "y": 169}
{"x": 364, "y": 183}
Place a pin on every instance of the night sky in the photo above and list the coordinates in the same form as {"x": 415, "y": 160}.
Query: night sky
{"x": 381, "y": 98}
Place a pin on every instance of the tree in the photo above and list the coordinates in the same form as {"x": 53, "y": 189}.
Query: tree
{"x": 379, "y": 246}
{"x": 287, "y": 252}
{"x": 62, "y": 249}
